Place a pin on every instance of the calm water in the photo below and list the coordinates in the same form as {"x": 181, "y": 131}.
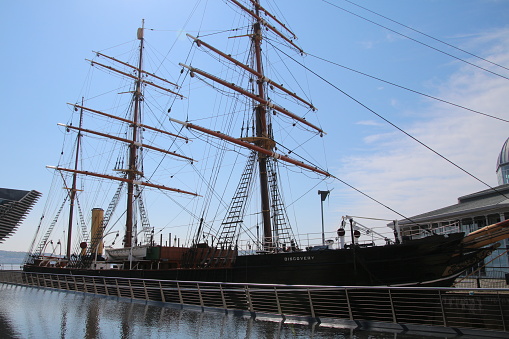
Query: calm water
{"x": 27, "y": 312}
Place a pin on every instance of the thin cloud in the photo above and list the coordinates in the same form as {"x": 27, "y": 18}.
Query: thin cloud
{"x": 412, "y": 180}
{"x": 368, "y": 123}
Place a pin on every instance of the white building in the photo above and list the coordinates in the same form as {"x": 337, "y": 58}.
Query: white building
{"x": 472, "y": 212}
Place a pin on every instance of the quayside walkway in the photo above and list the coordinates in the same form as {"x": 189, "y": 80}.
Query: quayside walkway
{"x": 480, "y": 312}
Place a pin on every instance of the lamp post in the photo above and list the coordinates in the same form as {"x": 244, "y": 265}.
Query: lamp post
{"x": 323, "y": 196}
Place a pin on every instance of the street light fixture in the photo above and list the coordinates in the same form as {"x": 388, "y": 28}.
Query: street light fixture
{"x": 323, "y": 196}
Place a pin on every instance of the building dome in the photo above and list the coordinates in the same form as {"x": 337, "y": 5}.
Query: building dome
{"x": 503, "y": 164}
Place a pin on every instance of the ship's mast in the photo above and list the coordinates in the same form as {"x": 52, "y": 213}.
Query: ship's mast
{"x": 72, "y": 194}
{"x": 132, "y": 173}
{"x": 262, "y": 133}
{"x": 262, "y": 142}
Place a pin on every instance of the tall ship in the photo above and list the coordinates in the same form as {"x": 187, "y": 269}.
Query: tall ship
{"x": 232, "y": 151}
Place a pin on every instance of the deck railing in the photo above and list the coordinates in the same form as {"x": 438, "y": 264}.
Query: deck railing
{"x": 480, "y": 309}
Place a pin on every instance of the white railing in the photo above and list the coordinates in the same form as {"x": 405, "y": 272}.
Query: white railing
{"x": 315, "y": 239}
{"x": 10, "y": 267}
{"x": 458, "y": 308}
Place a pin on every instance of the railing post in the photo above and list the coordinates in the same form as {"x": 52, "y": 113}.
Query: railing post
{"x": 394, "y": 318}
{"x": 199, "y": 294}
{"x": 278, "y": 303}
{"x": 311, "y": 306}
{"x": 145, "y": 289}
{"x": 131, "y": 288}
{"x": 444, "y": 319}
{"x": 248, "y": 296}
{"x": 163, "y": 299}
{"x": 223, "y": 298}
{"x": 501, "y": 312}
{"x": 180, "y": 294}
{"x": 350, "y": 313}
{"x": 105, "y": 286}
{"x": 118, "y": 288}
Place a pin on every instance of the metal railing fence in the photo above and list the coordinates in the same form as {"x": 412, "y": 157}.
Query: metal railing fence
{"x": 486, "y": 309}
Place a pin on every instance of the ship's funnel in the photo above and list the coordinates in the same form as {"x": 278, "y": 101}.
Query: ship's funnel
{"x": 97, "y": 231}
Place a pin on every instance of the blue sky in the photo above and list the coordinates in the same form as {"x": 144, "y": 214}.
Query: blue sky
{"x": 43, "y": 68}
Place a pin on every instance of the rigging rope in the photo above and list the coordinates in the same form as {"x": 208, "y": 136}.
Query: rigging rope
{"x": 395, "y": 126}
{"x": 427, "y": 35}
{"x": 419, "y": 42}
{"x": 409, "y": 89}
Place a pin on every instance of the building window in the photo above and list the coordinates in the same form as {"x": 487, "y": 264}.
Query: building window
{"x": 480, "y": 222}
{"x": 467, "y": 225}
{"x": 503, "y": 175}
{"x": 493, "y": 218}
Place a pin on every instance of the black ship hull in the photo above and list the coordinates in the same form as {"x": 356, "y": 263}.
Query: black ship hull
{"x": 432, "y": 261}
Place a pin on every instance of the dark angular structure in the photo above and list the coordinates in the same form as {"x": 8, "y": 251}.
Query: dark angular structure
{"x": 14, "y": 207}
